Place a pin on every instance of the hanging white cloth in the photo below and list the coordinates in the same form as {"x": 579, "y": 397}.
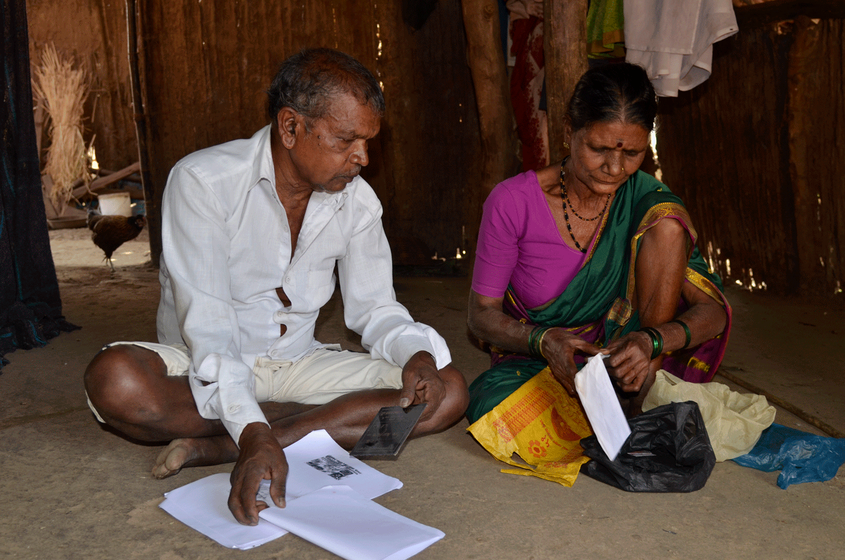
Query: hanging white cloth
{"x": 673, "y": 39}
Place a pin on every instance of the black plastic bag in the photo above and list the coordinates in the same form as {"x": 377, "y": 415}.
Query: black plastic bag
{"x": 668, "y": 451}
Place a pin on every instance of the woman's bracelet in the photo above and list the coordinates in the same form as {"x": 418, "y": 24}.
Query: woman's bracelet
{"x": 656, "y": 340}
{"x": 687, "y": 332}
{"x": 540, "y": 342}
{"x": 535, "y": 341}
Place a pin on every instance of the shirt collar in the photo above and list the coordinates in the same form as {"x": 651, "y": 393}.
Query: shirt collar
{"x": 263, "y": 169}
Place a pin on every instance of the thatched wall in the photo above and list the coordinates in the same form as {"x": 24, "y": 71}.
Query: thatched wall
{"x": 94, "y": 32}
{"x": 755, "y": 153}
{"x": 206, "y": 66}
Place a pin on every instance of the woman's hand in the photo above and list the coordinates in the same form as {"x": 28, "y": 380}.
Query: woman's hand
{"x": 630, "y": 358}
{"x": 488, "y": 322}
{"x": 559, "y": 348}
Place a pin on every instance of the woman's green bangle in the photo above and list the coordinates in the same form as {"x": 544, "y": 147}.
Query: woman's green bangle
{"x": 687, "y": 333}
{"x": 656, "y": 341}
{"x": 535, "y": 339}
{"x": 540, "y": 342}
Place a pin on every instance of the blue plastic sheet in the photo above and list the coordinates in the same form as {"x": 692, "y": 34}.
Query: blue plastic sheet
{"x": 800, "y": 456}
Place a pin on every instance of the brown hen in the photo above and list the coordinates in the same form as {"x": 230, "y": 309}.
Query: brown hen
{"x": 110, "y": 232}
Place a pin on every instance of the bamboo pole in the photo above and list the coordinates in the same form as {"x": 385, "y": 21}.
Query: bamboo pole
{"x": 495, "y": 115}
{"x": 565, "y": 50}
{"x": 802, "y": 76}
{"x": 764, "y": 12}
{"x": 151, "y": 207}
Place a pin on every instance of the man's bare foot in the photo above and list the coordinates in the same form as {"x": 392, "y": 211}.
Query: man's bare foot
{"x": 194, "y": 452}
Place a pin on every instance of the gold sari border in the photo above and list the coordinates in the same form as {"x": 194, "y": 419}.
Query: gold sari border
{"x": 651, "y": 218}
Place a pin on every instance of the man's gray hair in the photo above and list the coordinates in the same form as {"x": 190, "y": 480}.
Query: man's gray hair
{"x": 307, "y": 81}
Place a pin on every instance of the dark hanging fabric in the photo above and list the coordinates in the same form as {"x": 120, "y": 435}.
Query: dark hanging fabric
{"x": 30, "y": 304}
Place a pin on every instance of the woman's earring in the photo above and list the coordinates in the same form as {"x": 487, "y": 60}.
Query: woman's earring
{"x": 566, "y": 145}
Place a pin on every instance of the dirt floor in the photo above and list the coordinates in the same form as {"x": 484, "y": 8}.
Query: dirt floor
{"x": 75, "y": 490}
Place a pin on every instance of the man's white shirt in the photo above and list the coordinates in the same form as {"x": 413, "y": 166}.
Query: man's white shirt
{"x": 226, "y": 248}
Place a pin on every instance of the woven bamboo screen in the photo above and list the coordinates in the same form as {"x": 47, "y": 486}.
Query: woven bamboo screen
{"x": 756, "y": 151}
{"x": 207, "y": 64}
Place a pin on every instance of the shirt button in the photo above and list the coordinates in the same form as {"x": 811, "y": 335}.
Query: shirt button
{"x": 234, "y": 408}
{"x": 287, "y": 280}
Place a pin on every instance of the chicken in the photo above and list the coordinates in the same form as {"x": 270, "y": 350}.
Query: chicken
{"x": 110, "y": 232}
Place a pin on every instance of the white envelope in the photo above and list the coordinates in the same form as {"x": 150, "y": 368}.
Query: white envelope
{"x": 602, "y": 406}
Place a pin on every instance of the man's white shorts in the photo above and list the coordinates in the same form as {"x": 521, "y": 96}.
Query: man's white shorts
{"x": 318, "y": 378}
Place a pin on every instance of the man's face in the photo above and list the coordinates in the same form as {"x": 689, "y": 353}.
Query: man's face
{"x": 330, "y": 152}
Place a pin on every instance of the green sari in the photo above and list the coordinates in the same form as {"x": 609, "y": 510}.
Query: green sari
{"x": 596, "y": 305}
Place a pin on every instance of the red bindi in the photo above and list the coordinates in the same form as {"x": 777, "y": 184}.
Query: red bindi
{"x": 619, "y": 144}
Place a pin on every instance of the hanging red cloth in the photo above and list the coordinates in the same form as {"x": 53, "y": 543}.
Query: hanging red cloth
{"x": 526, "y": 88}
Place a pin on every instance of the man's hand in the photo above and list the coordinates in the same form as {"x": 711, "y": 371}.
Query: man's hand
{"x": 261, "y": 458}
{"x": 421, "y": 383}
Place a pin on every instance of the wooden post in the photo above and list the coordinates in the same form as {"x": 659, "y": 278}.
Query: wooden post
{"x": 151, "y": 201}
{"x": 495, "y": 115}
{"x": 818, "y": 261}
{"x": 565, "y": 49}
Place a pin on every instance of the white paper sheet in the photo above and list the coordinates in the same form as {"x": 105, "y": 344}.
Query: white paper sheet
{"x": 317, "y": 460}
{"x": 314, "y": 461}
{"x": 202, "y": 506}
{"x": 355, "y": 528}
{"x": 602, "y": 406}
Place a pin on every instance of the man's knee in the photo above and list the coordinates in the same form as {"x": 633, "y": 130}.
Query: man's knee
{"x": 457, "y": 396}
{"x": 118, "y": 383}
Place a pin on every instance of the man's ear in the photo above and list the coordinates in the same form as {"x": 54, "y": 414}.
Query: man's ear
{"x": 287, "y": 123}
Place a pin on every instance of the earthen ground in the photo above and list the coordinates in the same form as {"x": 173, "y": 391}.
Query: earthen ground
{"x": 73, "y": 490}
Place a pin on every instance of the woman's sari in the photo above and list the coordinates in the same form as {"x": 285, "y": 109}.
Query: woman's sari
{"x": 596, "y": 305}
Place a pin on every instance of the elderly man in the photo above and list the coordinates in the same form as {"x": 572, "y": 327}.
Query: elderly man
{"x": 252, "y": 231}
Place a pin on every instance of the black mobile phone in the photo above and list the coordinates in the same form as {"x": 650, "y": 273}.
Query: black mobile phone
{"x": 388, "y": 432}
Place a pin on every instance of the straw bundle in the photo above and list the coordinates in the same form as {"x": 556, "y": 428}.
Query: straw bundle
{"x": 62, "y": 90}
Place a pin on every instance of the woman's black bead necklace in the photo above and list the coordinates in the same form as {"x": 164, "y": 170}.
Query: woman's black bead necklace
{"x": 565, "y": 202}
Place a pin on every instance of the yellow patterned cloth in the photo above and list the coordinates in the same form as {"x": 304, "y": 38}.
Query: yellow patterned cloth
{"x": 541, "y": 424}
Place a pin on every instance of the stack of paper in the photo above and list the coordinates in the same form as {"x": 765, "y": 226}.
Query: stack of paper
{"x": 202, "y": 506}
{"x": 356, "y": 529}
{"x": 328, "y": 502}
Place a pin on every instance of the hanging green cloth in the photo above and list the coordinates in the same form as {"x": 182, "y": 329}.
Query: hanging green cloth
{"x": 606, "y": 29}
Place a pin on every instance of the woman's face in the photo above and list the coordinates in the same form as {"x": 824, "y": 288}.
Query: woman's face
{"x": 605, "y": 154}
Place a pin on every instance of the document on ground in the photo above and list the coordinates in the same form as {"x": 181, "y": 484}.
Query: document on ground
{"x": 356, "y": 528}
{"x": 203, "y": 506}
{"x": 314, "y": 462}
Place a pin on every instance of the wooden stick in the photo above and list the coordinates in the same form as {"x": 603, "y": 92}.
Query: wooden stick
{"x": 106, "y": 180}
{"x": 789, "y": 407}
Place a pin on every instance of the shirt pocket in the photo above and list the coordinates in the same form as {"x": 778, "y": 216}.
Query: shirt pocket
{"x": 320, "y": 281}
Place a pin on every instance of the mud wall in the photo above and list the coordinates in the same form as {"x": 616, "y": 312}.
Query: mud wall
{"x": 205, "y": 66}
{"x": 755, "y": 151}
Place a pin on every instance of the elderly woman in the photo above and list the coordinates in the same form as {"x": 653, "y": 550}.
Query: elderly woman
{"x": 590, "y": 256}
